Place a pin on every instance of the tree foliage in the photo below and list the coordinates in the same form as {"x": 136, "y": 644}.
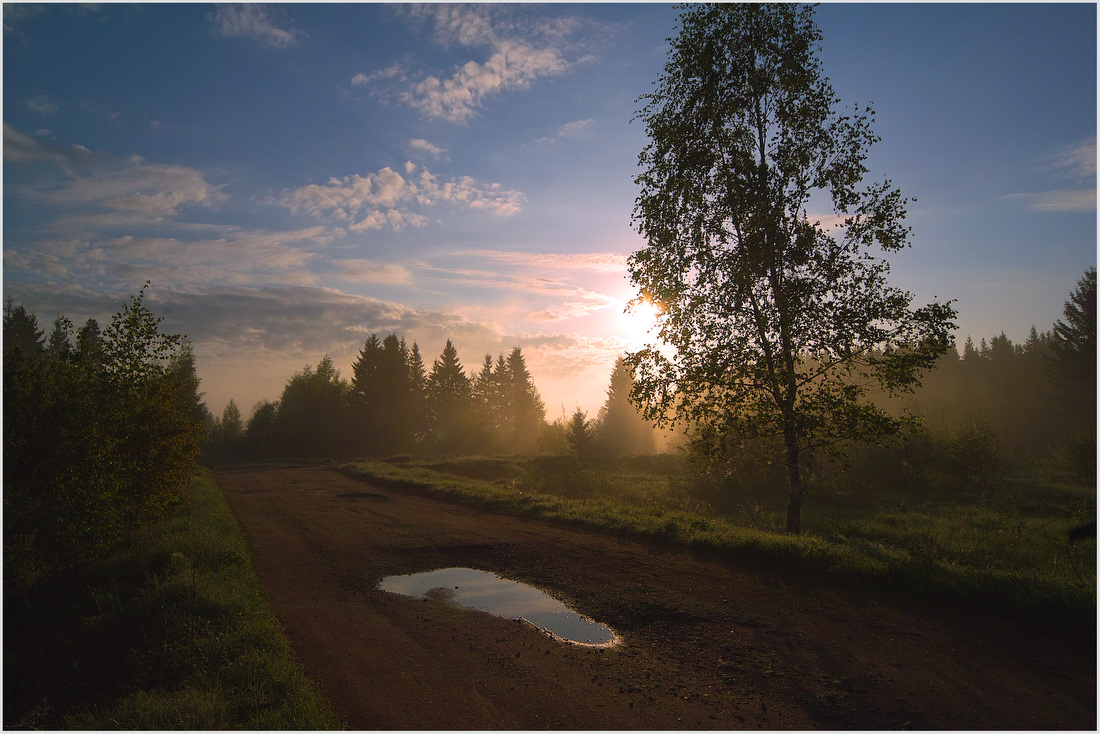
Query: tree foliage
{"x": 778, "y": 325}
{"x": 313, "y": 418}
{"x": 98, "y": 439}
{"x": 623, "y": 429}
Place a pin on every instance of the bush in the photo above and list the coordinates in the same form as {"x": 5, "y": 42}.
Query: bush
{"x": 94, "y": 446}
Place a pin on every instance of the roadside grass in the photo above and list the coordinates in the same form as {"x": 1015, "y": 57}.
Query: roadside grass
{"x": 1008, "y": 556}
{"x": 172, "y": 632}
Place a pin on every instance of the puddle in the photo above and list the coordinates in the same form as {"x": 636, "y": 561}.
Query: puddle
{"x": 488, "y": 592}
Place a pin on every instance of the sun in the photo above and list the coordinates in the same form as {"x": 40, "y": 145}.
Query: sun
{"x": 638, "y": 324}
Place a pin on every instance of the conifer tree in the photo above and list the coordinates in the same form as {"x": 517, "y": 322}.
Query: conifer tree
{"x": 579, "y": 433}
{"x": 450, "y": 402}
{"x": 623, "y": 428}
{"x": 526, "y": 409}
{"x": 59, "y": 345}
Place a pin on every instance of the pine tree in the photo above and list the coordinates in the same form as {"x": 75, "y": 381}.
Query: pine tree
{"x": 623, "y": 429}
{"x": 418, "y": 393}
{"x": 89, "y": 342}
{"x": 484, "y": 395}
{"x": 450, "y": 402}
{"x": 579, "y": 433}
{"x": 59, "y": 345}
{"x": 526, "y": 409}
{"x": 21, "y": 332}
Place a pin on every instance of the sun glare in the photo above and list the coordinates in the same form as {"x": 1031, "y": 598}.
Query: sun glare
{"x": 639, "y": 323}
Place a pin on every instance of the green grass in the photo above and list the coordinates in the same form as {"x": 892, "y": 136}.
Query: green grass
{"x": 1006, "y": 557}
{"x": 172, "y": 632}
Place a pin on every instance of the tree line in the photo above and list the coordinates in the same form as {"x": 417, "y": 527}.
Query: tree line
{"x": 101, "y": 431}
{"x": 1028, "y": 399}
{"x": 393, "y": 404}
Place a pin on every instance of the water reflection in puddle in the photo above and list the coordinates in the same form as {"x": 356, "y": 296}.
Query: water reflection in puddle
{"x": 488, "y": 592}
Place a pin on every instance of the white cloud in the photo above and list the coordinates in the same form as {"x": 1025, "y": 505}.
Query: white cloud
{"x": 423, "y": 146}
{"x": 576, "y": 127}
{"x": 514, "y": 66}
{"x": 253, "y": 21}
{"x": 518, "y": 55}
{"x": 388, "y": 199}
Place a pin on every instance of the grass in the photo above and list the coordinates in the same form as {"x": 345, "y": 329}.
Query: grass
{"x": 1007, "y": 556}
{"x": 172, "y": 632}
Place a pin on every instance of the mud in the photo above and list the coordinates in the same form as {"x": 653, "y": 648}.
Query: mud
{"x": 707, "y": 643}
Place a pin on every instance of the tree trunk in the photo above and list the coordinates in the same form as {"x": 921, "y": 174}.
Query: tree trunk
{"x": 794, "y": 504}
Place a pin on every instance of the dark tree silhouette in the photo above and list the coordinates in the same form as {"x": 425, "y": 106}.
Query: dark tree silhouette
{"x": 623, "y": 428}
{"x": 93, "y": 449}
{"x": 21, "y": 331}
{"x": 312, "y": 419}
{"x": 524, "y": 407}
{"x": 450, "y": 403}
{"x": 778, "y": 325}
{"x": 579, "y": 433}
{"x": 1073, "y": 347}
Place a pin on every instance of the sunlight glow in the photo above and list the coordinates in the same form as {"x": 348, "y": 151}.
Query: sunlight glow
{"x": 638, "y": 323}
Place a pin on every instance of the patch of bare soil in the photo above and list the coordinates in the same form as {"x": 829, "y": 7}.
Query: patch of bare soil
{"x": 706, "y": 643}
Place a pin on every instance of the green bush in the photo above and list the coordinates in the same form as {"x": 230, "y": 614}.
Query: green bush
{"x": 97, "y": 443}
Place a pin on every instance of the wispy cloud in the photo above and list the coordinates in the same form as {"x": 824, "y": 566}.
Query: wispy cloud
{"x": 1074, "y": 168}
{"x": 43, "y": 105}
{"x": 1058, "y": 200}
{"x": 256, "y": 22}
{"x": 98, "y": 191}
{"x": 604, "y": 262}
{"x": 114, "y": 262}
{"x": 369, "y": 271}
{"x": 388, "y": 199}
{"x": 575, "y": 129}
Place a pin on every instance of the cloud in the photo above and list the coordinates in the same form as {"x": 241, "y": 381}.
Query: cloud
{"x": 386, "y": 199}
{"x": 43, "y": 105}
{"x": 1058, "y": 200}
{"x": 514, "y": 66}
{"x": 1074, "y": 168}
{"x": 253, "y": 21}
{"x": 518, "y": 54}
{"x": 24, "y": 151}
{"x": 115, "y": 262}
{"x": 390, "y": 73}
{"x": 1076, "y": 161}
{"x": 604, "y": 262}
{"x": 423, "y": 146}
{"x": 99, "y": 192}
{"x": 369, "y": 271}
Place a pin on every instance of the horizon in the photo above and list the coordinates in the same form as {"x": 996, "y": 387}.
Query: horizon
{"x": 293, "y": 178}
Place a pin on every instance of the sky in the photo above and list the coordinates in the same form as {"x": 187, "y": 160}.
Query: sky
{"x": 293, "y": 178}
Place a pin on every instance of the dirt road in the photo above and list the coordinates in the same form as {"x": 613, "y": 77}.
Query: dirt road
{"x": 706, "y": 643}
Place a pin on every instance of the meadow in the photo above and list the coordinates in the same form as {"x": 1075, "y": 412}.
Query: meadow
{"x": 1000, "y": 547}
{"x": 172, "y": 631}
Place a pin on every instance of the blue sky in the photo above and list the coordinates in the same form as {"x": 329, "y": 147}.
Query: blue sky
{"x": 292, "y": 178}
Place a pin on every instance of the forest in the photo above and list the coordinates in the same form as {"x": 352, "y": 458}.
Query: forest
{"x": 393, "y": 405}
{"x": 102, "y": 426}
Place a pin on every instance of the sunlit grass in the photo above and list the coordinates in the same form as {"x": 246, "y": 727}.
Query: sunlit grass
{"x": 992, "y": 556}
{"x": 173, "y": 632}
